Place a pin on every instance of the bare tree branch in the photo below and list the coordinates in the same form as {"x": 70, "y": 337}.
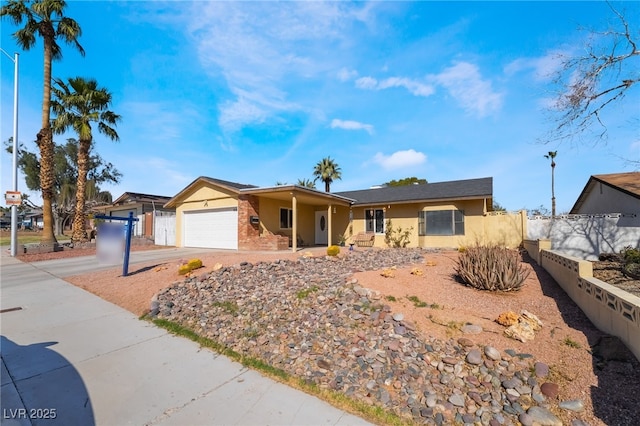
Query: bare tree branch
{"x": 593, "y": 83}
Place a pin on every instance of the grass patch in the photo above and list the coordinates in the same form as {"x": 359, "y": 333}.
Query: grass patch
{"x": 436, "y": 306}
{"x": 303, "y": 294}
{"x": 228, "y": 307}
{"x": 391, "y": 298}
{"x": 374, "y": 414}
{"x": 417, "y": 302}
{"x": 568, "y": 341}
{"x": 27, "y": 238}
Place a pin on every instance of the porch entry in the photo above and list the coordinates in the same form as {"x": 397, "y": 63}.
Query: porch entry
{"x": 322, "y": 228}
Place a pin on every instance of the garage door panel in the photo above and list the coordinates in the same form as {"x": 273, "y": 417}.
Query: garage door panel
{"x": 211, "y": 228}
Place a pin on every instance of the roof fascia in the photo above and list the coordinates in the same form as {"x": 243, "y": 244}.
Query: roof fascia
{"x": 296, "y": 188}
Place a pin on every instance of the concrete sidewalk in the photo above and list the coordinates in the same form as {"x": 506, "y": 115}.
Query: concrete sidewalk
{"x": 71, "y": 358}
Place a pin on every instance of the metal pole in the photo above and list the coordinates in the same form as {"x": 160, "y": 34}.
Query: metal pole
{"x": 14, "y": 208}
{"x": 127, "y": 245}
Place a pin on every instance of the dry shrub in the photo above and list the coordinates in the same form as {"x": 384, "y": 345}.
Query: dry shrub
{"x": 491, "y": 268}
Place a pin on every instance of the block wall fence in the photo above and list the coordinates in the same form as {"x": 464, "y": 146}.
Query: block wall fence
{"x": 612, "y": 310}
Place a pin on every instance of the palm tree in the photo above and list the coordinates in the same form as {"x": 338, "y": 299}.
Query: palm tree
{"x": 551, "y": 155}
{"x": 327, "y": 171}
{"x": 307, "y": 183}
{"x": 44, "y": 18}
{"x": 78, "y": 105}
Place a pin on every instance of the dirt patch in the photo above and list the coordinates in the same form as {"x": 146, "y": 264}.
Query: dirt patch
{"x": 612, "y": 272}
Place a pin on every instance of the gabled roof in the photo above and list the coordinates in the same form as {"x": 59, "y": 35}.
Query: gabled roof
{"x": 233, "y": 187}
{"x": 627, "y": 183}
{"x": 458, "y": 189}
{"x": 226, "y": 183}
{"x": 136, "y": 197}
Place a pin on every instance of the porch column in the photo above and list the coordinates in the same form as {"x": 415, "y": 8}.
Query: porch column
{"x": 294, "y": 229}
{"x": 329, "y": 227}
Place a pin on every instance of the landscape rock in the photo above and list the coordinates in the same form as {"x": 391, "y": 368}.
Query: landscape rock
{"x": 312, "y": 320}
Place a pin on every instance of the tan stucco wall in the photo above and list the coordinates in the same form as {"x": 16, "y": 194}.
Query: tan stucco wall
{"x": 270, "y": 220}
{"x": 196, "y": 200}
{"x": 479, "y": 228}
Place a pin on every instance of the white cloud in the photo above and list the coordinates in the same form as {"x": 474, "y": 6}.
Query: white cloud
{"x": 400, "y": 159}
{"x": 256, "y": 48}
{"x": 351, "y": 125}
{"x": 367, "y": 83}
{"x": 414, "y": 87}
{"x": 544, "y": 68}
{"x": 464, "y": 82}
{"x": 346, "y": 74}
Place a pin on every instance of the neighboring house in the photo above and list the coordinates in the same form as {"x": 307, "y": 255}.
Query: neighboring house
{"x": 611, "y": 193}
{"x": 220, "y": 214}
{"x": 143, "y": 206}
{"x": 33, "y": 219}
{"x": 604, "y": 219}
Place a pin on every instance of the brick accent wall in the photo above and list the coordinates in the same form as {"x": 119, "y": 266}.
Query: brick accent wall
{"x": 249, "y": 237}
{"x": 248, "y": 205}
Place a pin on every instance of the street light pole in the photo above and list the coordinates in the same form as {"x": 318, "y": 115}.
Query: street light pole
{"x": 14, "y": 208}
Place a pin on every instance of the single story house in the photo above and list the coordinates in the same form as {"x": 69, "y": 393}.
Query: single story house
{"x": 610, "y": 193}
{"x": 143, "y": 206}
{"x": 214, "y": 213}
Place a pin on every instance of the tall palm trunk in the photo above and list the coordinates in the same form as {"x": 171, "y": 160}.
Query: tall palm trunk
{"x": 45, "y": 144}
{"x": 79, "y": 232}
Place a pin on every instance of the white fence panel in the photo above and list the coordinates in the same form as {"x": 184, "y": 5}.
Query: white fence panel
{"x": 586, "y": 236}
{"x": 165, "y": 229}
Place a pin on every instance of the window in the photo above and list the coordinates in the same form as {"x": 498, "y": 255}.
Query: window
{"x": 374, "y": 219}
{"x": 286, "y": 218}
{"x": 441, "y": 222}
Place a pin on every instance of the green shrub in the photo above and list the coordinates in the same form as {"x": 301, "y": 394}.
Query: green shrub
{"x": 184, "y": 269}
{"x": 396, "y": 237}
{"x": 333, "y": 250}
{"x": 630, "y": 255}
{"x": 491, "y": 268}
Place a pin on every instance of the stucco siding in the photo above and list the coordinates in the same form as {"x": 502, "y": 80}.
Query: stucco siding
{"x": 604, "y": 199}
{"x": 479, "y": 228}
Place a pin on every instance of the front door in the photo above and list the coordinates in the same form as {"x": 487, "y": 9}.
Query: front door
{"x": 322, "y": 228}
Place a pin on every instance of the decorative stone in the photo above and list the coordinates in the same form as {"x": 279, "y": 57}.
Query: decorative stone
{"x": 543, "y": 417}
{"x": 474, "y": 357}
{"x": 550, "y": 390}
{"x": 309, "y": 318}
{"x": 572, "y": 405}
{"x": 492, "y": 353}
{"x": 541, "y": 369}
{"x": 471, "y": 329}
{"x": 463, "y": 341}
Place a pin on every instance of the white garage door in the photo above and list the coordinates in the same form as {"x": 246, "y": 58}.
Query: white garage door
{"x": 211, "y": 229}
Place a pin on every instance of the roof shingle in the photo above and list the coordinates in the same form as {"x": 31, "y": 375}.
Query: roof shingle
{"x": 470, "y": 188}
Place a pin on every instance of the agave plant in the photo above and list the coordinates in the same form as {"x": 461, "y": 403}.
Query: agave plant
{"x": 491, "y": 268}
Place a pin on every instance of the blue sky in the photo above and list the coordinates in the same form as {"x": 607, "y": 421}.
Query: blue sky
{"x": 259, "y": 92}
